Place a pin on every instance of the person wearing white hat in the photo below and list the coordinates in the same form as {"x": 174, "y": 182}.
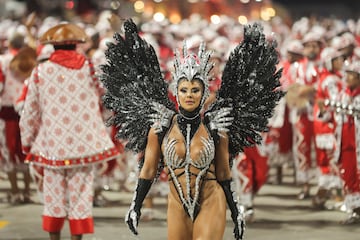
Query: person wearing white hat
{"x": 12, "y": 85}
{"x": 330, "y": 86}
{"x": 346, "y": 44}
{"x": 347, "y": 114}
{"x": 349, "y": 45}
{"x": 307, "y": 80}
{"x": 280, "y": 134}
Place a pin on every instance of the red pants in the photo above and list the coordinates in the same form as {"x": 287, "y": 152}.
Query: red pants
{"x": 12, "y": 136}
{"x": 350, "y": 172}
{"x": 303, "y": 139}
{"x": 254, "y": 166}
{"x": 285, "y": 135}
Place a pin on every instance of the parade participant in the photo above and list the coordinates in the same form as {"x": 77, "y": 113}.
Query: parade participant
{"x": 279, "y": 137}
{"x": 330, "y": 86}
{"x": 250, "y": 174}
{"x": 346, "y": 44}
{"x": 195, "y": 151}
{"x": 62, "y": 131}
{"x": 302, "y": 113}
{"x": 42, "y": 54}
{"x": 4, "y": 153}
{"x": 347, "y": 129}
{"x": 290, "y": 65}
{"x": 14, "y": 68}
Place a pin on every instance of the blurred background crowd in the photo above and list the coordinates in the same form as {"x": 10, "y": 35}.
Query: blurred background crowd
{"x": 296, "y": 26}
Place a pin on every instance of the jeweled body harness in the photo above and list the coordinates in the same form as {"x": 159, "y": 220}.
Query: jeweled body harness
{"x": 189, "y": 127}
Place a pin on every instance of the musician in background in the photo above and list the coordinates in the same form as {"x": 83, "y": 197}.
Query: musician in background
{"x": 16, "y": 65}
{"x": 347, "y": 117}
{"x": 330, "y": 86}
{"x": 345, "y": 43}
{"x": 302, "y": 114}
{"x": 280, "y": 137}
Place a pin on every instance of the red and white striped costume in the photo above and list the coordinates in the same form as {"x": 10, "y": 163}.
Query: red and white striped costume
{"x": 250, "y": 173}
{"x": 280, "y": 135}
{"x": 302, "y": 119}
{"x": 348, "y": 137}
{"x": 330, "y": 86}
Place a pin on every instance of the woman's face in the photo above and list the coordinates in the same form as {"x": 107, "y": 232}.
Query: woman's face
{"x": 190, "y": 94}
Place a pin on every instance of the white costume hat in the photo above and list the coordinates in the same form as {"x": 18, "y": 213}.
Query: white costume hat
{"x": 327, "y": 55}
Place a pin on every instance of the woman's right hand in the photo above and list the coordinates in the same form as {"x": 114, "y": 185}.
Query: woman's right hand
{"x": 132, "y": 219}
{"x": 133, "y": 215}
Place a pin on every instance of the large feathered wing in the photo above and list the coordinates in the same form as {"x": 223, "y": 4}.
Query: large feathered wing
{"x": 135, "y": 89}
{"x": 249, "y": 90}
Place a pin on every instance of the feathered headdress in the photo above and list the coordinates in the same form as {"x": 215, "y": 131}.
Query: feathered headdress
{"x": 190, "y": 66}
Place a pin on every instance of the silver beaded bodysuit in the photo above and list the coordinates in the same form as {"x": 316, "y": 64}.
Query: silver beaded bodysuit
{"x": 173, "y": 162}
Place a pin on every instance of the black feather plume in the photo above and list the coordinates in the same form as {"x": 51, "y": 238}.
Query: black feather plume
{"x": 250, "y": 85}
{"x": 133, "y": 80}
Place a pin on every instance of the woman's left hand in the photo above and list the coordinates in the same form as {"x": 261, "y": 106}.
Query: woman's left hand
{"x": 239, "y": 228}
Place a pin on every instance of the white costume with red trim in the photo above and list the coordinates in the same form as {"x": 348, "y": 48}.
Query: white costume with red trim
{"x": 61, "y": 120}
{"x": 302, "y": 119}
{"x": 12, "y": 86}
{"x": 250, "y": 173}
{"x": 63, "y": 131}
{"x": 330, "y": 86}
{"x": 280, "y": 135}
{"x": 10, "y": 92}
{"x": 348, "y": 137}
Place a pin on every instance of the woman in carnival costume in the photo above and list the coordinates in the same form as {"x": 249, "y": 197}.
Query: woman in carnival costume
{"x": 195, "y": 149}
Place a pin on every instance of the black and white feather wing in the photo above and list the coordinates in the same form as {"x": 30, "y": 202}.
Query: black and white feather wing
{"x": 135, "y": 89}
{"x": 249, "y": 90}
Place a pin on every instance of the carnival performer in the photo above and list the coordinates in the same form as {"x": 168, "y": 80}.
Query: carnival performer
{"x": 347, "y": 114}
{"x": 4, "y": 153}
{"x": 62, "y": 130}
{"x": 279, "y": 139}
{"x": 195, "y": 150}
{"x": 330, "y": 86}
{"x": 345, "y": 43}
{"x": 301, "y": 115}
{"x": 250, "y": 173}
{"x": 16, "y": 66}
{"x": 37, "y": 172}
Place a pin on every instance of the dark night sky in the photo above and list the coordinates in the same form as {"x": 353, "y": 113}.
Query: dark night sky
{"x": 343, "y": 9}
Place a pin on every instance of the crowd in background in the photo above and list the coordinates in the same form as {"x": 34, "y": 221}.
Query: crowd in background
{"x": 317, "y": 56}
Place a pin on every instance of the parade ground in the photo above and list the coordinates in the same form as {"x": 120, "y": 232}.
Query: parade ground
{"x": 279, "y": 215}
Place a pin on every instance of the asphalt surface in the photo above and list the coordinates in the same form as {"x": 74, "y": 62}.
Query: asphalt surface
{"x": 278, "y": 215}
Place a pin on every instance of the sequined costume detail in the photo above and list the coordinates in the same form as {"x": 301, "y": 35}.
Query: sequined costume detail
{"x": 173, "y": 162}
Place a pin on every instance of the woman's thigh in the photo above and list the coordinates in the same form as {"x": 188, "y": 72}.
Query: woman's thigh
{"x": 180, "y": 226}
{"x": 211, "y": 221}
